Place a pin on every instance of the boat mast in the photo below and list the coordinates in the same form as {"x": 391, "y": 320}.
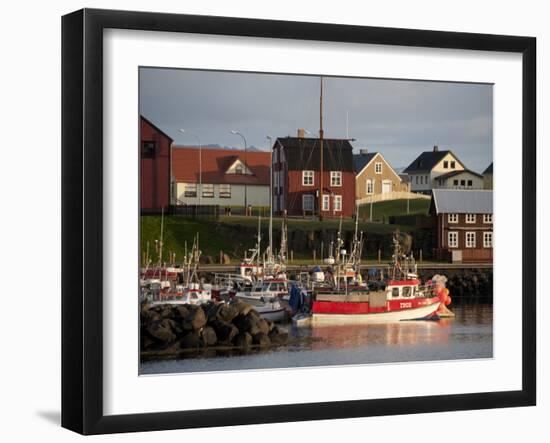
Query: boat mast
{"x": 161, "y": 235}
{"x": 321, "y": 152}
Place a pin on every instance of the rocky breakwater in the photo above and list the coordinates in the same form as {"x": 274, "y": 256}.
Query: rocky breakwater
{"x": 176, "y": 331}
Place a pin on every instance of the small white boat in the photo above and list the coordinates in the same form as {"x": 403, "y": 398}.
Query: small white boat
{"x": 265, "y": 290}
{"x": 271, "y": 310}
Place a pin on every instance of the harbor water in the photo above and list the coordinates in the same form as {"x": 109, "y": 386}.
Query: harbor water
{"x": 469, "y": 335}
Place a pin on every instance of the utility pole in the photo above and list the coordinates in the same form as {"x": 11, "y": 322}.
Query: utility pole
{"x": 321, "y": 150}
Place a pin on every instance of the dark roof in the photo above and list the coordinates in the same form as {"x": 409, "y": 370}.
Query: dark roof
{"x": 149, "y": 122}
{"x": 362, "y": 160}
{"x": 427, "y": 160}
{"x": 457, "y": 172}
{"x": 303, "y": 154}
{"x": 489, "y": 169}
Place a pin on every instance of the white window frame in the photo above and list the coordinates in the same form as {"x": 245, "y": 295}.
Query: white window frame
{"x": 309, "y": 198}
{"x": 378, "y": 168}
{"x": 452, "y": 218}
{"x": 207, "y": 190}
{"x": 326, "y": 202}
{"x": 336, "y": 178}
{"x": 470, "y": 219}
{"x": 452, "y": 239}
{"x": 488, "y": 219}
{"x": 337, "y": 203}
{"x": 224, "y": 190}
{"x": 467, "y": 242}
{"x": 190, "y": 190}
{"x": 488, "y": 239}
{"x": 308, "y": 175}
{"x": 369, "y": 185}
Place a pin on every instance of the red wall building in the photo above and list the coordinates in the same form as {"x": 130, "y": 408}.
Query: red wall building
{"x": 154, "y": 168}
{"x": 296, "y": 177}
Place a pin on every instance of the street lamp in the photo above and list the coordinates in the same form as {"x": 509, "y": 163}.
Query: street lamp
{"x": 246, "y": 166}
{"x": 270, "y": 196}
{"x": 184, "y": 131}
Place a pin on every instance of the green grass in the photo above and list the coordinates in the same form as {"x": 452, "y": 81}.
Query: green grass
{"x": 385, "y": 209}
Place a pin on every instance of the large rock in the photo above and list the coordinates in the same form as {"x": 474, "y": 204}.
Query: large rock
{"x": 190, "y": 340}
{"x": 225, "y": 332}
{"x": 161, "y": 330}
{"x": 181, "y": 311}
{"x": 208, "y": 335}
{"x": 262, "y": 340}
{"x": 226, "y": 313}
{"x": 243, "y": 340}
{"x": 195, "y": 320}
{"x": 241, "y": 307}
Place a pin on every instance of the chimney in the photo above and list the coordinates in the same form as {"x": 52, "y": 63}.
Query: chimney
{"x": 436, "y": 148}
{"x": 301, "y": 133}
{"x": 363, "y": 151}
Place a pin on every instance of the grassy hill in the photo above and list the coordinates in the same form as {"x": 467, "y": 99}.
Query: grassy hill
{"x": 235, "y": 234}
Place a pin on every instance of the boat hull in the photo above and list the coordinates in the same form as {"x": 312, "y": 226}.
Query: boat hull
{"x": 387, "y": 316}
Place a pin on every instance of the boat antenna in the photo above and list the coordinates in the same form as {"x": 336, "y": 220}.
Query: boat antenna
{"x": 321, "y": 151}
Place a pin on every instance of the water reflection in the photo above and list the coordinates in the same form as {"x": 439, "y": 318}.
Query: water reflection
{"x": 468, "y": 335}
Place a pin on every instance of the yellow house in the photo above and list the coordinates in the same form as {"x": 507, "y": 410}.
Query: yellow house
{"x": 375, "y": 179}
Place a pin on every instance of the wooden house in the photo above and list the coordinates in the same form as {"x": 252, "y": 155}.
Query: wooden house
{"x": 464, "y": 224}
{"x": 297, "y": 177}
{"x": 154, "y": 171}
{"x": 375, "y": 178}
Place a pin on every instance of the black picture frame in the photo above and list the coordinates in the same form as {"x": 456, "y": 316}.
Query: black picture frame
{"x": 82, "y": 215}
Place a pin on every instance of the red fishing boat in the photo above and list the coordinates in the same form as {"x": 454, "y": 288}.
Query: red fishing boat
{"x": 400, "y": 296}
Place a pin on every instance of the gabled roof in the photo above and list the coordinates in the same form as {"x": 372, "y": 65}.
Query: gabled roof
{"x": 362, "y": 160}
{"x": 426, "y": 161}
{"x": 453, "y": 201}
{"x": 156, "y": 127}
{"x": 457, "y": 172}
{"x": 303, "y": 154}
{"x": 215, "y": 163}
{"x": 489, "y": 169}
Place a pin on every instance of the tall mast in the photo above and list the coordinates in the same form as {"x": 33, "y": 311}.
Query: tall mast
{"x": 321, "y": 150}
{"x": 161, "y": 235}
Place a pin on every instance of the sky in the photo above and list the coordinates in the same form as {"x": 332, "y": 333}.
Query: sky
{"x": 399, "y": 118}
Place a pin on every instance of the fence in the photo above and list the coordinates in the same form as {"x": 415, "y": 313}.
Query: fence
{"x": 196, "y": 211}
{"x": 393, "y": 195}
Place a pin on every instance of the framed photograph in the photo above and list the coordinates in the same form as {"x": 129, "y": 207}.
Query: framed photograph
{"x": 268, "y": 221}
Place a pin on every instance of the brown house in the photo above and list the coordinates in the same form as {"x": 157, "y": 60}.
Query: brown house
{"x": 297, "y": 174}
{"x": 375, "y": 178}
{"x": 154, "y": 183}
{"x": 464, "y": 224}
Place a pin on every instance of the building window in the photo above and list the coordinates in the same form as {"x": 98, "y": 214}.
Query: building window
{"x": 462, "y": 182}
{"x": 370, "y": 186}
{"x": 453, "y": 218}
{"x": 446, "y": 164}
{"x": 378, "y": 167}
{"x": 190, "y": 190}
{"x": 470, "y": 218}
{"x": 148, "y": 149}
{"x": 426, "y": 179}
{"x": 416, "y": 179}
{"x": 208, "y": 190}
{"x": 452, "y": 239}
{"x": 470, "y": 239}
{"x": 225, "y": 191}
{"x": 335, "y": 178}
{"x": 326, "y": 202}
{"x": 470, "y": 183}
{"x": 337, "y": 203}
{"x": 421, "y": 179}
{"x": 307, "y": 202}
{"x": 455, "y": 182}
{"x": 453, "y": 164}
{"x": 487, "y": 239}
{"x": 307, "y": 178}
{"x": 487, "y": 218}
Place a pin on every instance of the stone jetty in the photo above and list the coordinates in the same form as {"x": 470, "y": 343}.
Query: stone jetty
{"x": 170, "y": 331}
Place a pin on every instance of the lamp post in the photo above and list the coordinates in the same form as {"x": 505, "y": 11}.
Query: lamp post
{"x": 184, "y": 131}
{"x": 270, "y": 196}
{"x": 246, "y": 166}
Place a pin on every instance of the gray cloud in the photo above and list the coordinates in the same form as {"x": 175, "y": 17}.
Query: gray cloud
{"x": 399, "y": 118}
